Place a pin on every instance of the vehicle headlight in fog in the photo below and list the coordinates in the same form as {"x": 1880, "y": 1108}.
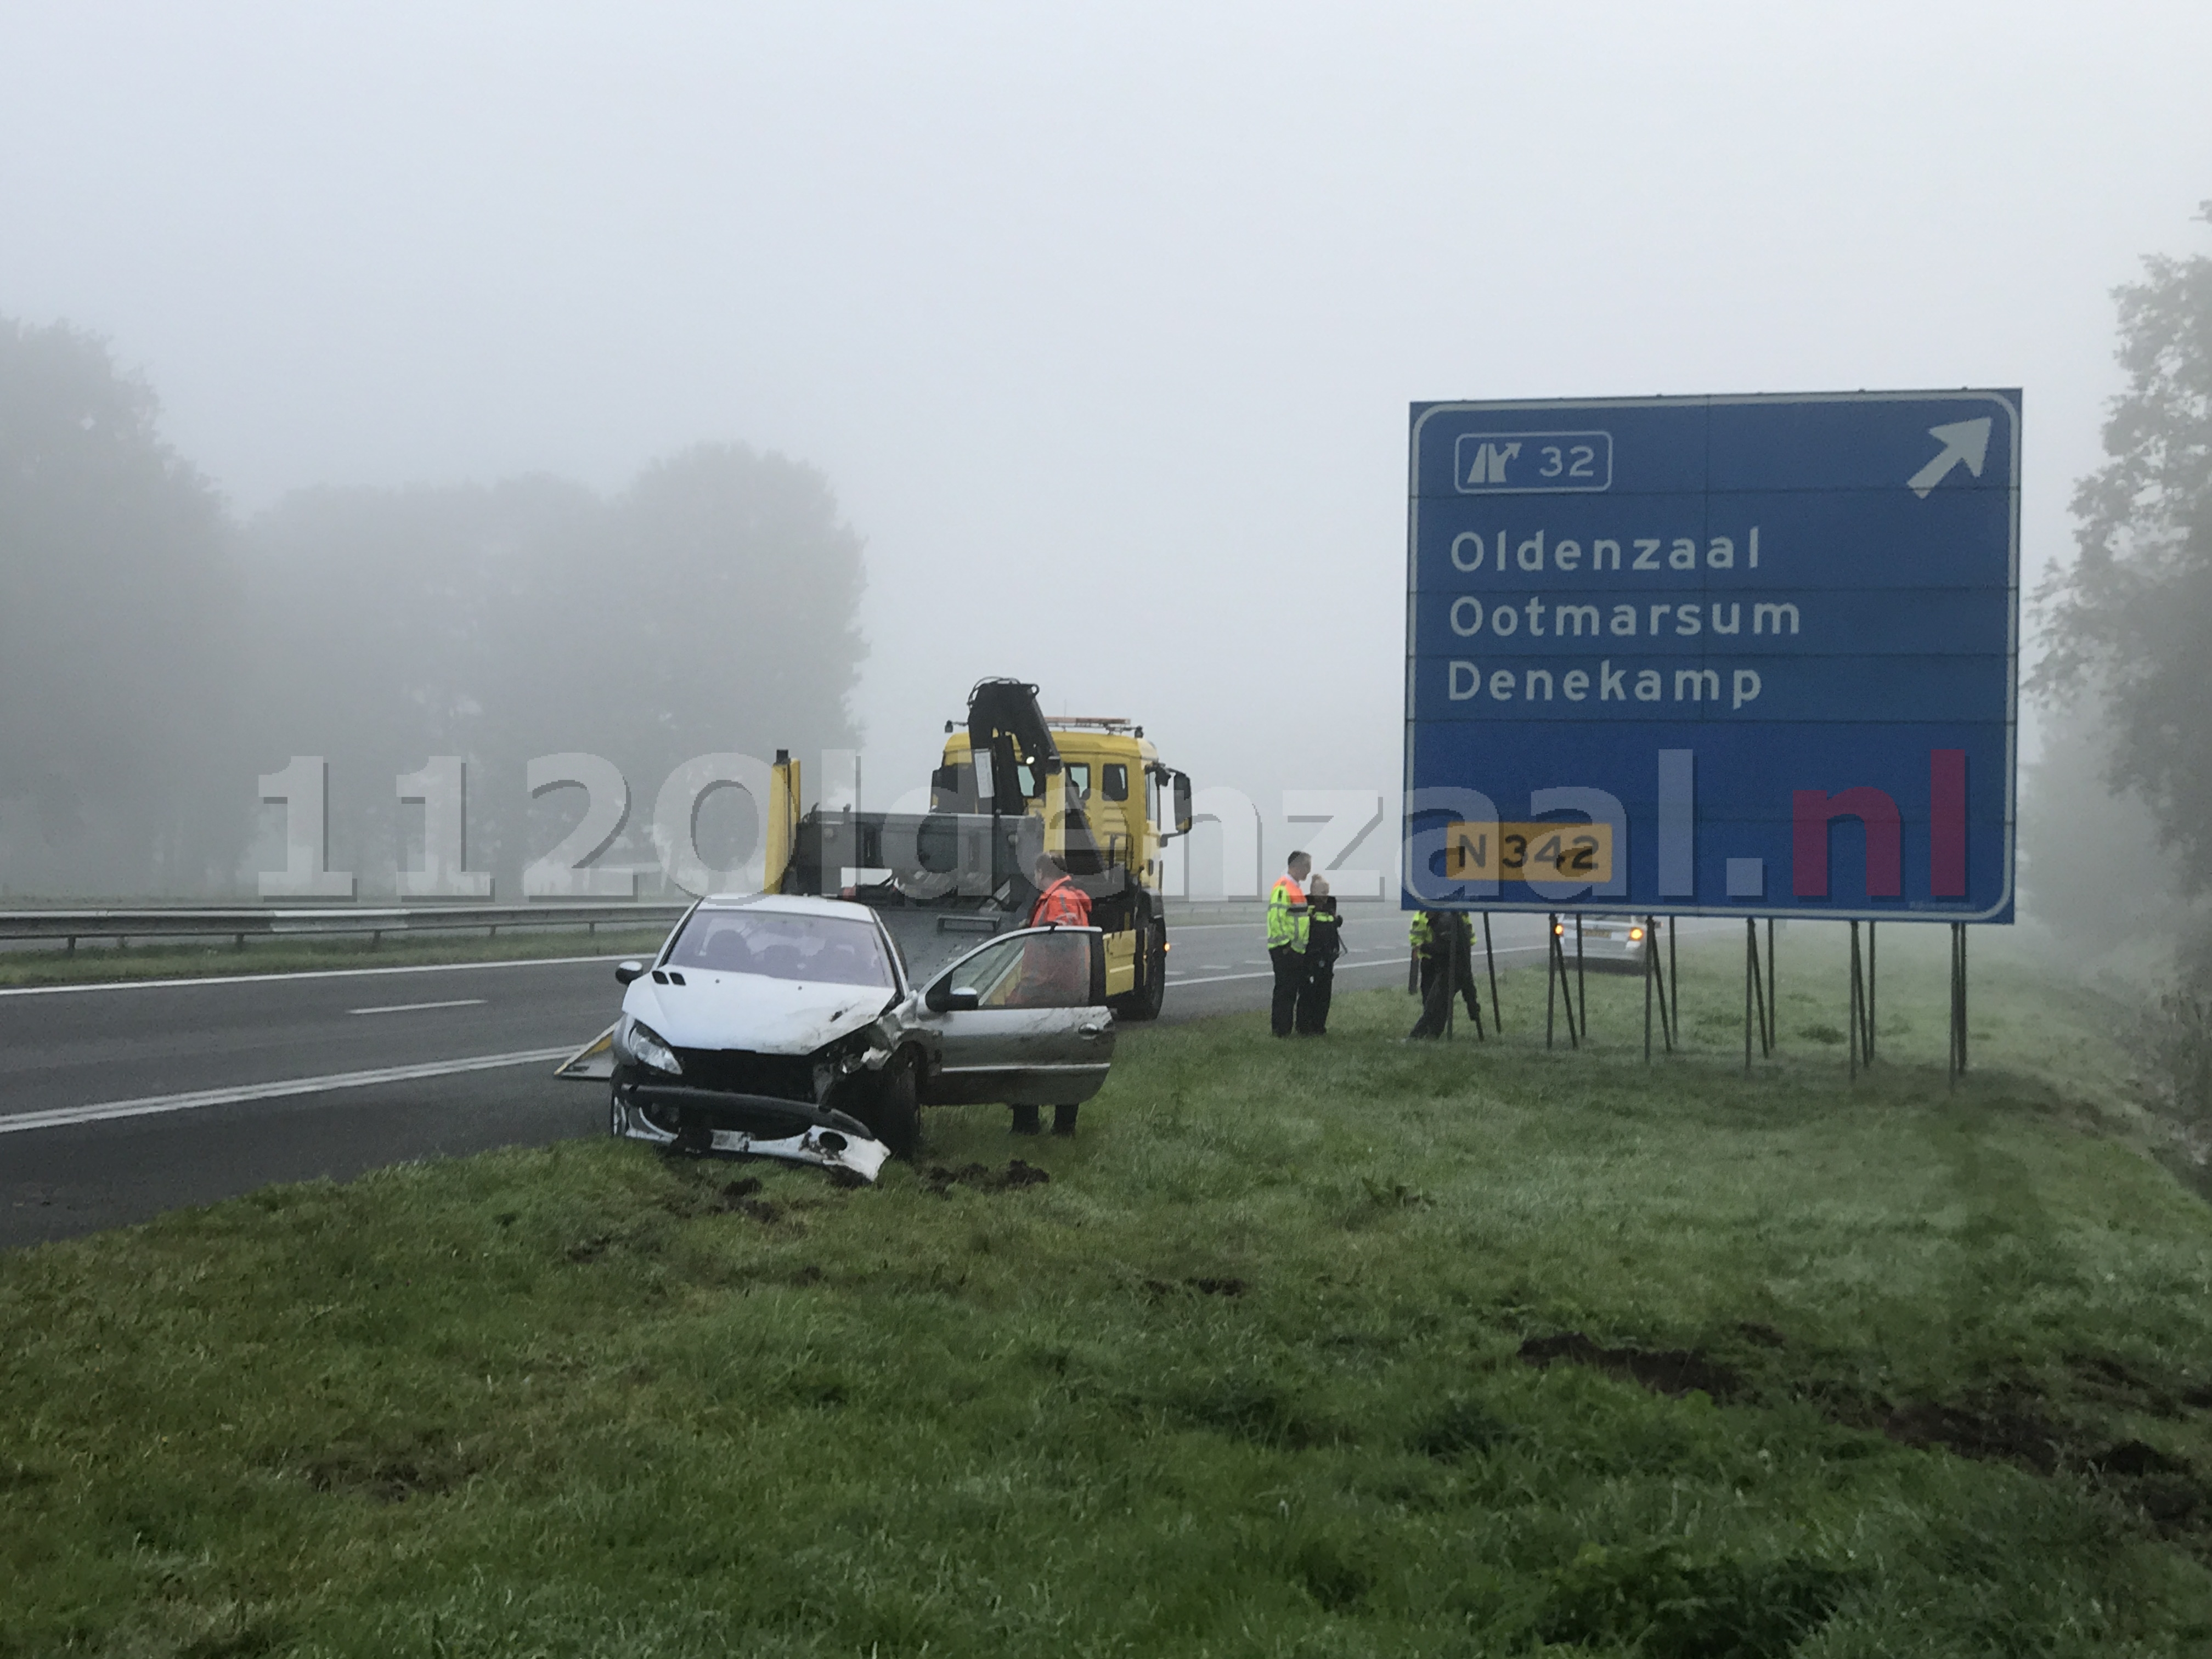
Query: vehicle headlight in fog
{"x": 647, "y": 1048}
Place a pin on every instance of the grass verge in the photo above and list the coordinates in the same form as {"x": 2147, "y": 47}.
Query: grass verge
{"x": 1329, "y": 1347}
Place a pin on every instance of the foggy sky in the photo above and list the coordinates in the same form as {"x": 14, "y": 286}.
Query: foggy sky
{"x": 1101, "y": 321}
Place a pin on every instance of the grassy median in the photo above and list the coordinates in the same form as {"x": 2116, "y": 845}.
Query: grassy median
{"x": 1331, "y": 1347}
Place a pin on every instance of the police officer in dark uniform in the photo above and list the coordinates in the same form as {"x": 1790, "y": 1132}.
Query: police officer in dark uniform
{"x": 1324, "y": 944}
{"x": 1446, "y": 944}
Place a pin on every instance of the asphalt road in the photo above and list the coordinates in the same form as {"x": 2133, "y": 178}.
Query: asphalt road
{"x": 118, "y": 1102}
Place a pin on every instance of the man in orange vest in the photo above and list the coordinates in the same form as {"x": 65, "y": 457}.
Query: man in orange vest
{"x": 1059, "y": 899}
{"x": 1287, "y": 912}
{"x": 1052, "y": 980}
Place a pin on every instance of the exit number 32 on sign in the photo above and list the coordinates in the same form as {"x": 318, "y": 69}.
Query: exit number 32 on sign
{"x": 1530, "y": 852}
{"x": 1521, "y": 463}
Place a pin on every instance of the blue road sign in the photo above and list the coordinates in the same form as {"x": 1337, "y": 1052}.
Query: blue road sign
{"x": 1717, "y": 655}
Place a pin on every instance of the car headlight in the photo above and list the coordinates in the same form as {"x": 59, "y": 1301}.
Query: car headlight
{"x": 647, "y": 1048}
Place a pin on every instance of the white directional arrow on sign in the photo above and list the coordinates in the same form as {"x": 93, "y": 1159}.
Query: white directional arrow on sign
{"x": 1962, "y": 441}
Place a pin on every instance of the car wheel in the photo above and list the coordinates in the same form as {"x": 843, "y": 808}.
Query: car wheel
{"x": 614, "y": 1115}
{"x": 893, "y": 1112}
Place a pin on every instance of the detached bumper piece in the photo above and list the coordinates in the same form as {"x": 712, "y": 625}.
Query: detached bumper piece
{"x": 703, "y": 1121}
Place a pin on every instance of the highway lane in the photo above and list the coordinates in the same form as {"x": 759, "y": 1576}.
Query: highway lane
{"x": 152, "y": 1073}
{"x": 69, "y": 1046}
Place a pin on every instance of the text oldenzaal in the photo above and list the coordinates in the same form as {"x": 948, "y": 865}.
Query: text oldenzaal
{"x": 1472, "y": 550}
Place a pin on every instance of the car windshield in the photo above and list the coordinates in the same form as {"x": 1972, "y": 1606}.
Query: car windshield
{"x": 823, "y": 950}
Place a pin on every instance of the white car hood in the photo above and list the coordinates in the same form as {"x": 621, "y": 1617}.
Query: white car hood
{"x": 752, "y": 1011}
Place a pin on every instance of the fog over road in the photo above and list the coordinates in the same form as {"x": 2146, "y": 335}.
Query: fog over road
{"x": 118, "y": 1101}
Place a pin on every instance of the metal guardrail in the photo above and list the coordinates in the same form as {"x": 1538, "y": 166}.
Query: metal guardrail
{"x": 268, "y": 921}
{"x": 242, "y": 922}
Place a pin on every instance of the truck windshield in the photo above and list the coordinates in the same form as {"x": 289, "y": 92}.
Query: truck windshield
{"x": 822, "y": 950}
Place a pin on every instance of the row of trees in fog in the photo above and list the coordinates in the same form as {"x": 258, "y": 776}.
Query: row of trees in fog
{"x": 158, "y": 653}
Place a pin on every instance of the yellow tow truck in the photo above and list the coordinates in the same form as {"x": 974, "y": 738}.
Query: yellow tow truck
{"x": 1090, "y": 792}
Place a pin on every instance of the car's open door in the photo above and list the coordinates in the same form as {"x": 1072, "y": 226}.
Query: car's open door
{"x": 1023, "y": 1021}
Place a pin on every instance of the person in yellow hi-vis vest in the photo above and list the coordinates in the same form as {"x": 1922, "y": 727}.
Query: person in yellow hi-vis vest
{"x": 1286, "y": 941}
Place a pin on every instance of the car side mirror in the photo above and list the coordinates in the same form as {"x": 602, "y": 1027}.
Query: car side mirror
{"x": 1183, "y": 803}
{"x": 627, "y": 971}
{"x": 944, "y": 998}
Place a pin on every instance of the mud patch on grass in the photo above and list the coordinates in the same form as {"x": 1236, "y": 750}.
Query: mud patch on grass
{"x": 2013, "y": 1424}
{"x": 2133, "y": 1458}
{"x": 2007, "y": 1423}
{"x": 737, "y": 1199}
{"x": 2131, "y": 1386}
{"x": 939, "y": 1178}
{"x": 2018, "y": 1426}
{"x": 2164, "y": 1488}
{"x": 1674, "y": 1371}
{"x": 2002, "y": 1429}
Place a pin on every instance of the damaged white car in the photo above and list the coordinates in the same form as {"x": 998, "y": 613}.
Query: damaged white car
{"x": 787, "y": 1027}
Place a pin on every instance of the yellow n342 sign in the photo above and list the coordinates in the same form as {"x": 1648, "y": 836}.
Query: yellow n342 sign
{"x": 1530, "y": 852}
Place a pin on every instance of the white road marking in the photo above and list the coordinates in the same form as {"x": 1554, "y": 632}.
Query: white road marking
{"x": 1395, "y": 960}
{"x": 1218, "y": 979}
{"x": 188, "y": 980}
{"x": 148, "y": 1105}
{"x": 420, "y": 1007}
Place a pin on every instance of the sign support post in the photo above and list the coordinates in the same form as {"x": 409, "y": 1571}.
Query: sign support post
{"x": 1755, "y": 994}
{"x": 1872, "y": 985}
{"x": 1958, "y": 1067}
{"x": 1582, "y": 985}
{"x": 1556, "y": 984}
{"x": 1673, "y": 986}
{"x": 1852, "y": 1004}
{"x": 1773, "y": 1012}
{"x": 1490, "y": 956}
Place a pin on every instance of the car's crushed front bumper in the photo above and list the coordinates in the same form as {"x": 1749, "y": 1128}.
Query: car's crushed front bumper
{"x": 751, "y": 1125}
